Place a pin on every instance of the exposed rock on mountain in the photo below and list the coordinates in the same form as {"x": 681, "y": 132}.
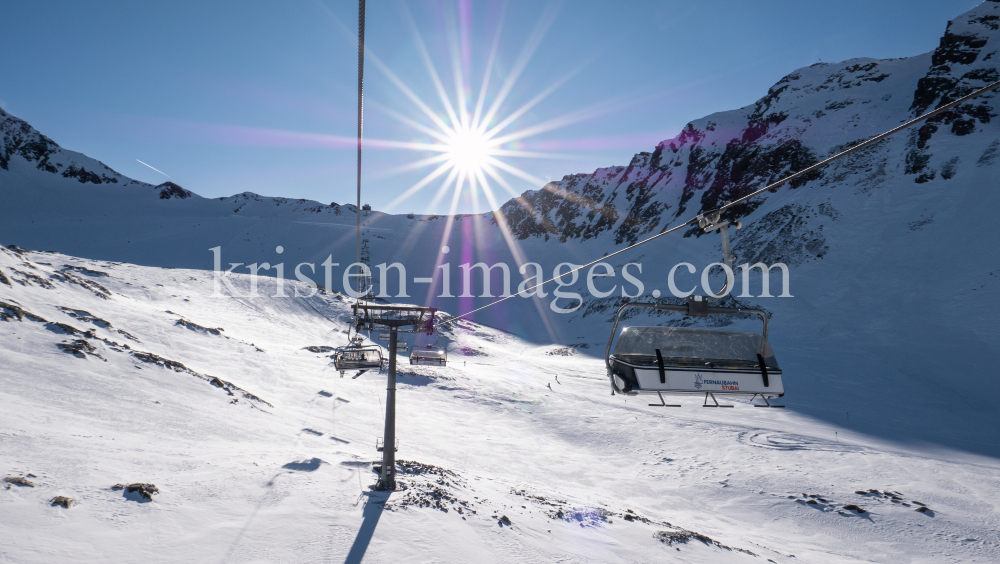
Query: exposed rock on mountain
{"x": 170, "y": 190}
{"x": 20, "y": 139}
{"x": 964, "y": 61}
{"x": 806, "y": 116}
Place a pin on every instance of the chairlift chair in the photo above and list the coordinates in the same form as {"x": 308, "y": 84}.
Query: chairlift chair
{"x": 356, "y": 356}
{"x": 428, "y": 356}
{"x": 675, "y": 360}
{"x": 380, "y": 445}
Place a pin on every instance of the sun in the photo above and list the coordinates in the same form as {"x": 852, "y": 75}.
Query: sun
{"x": 468, "y": 150}
{"x": 470, "y": 138}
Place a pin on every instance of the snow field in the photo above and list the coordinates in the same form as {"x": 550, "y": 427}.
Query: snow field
{"x": 247, "y": 481}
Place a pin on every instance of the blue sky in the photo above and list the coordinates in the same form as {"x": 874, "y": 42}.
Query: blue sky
{"x": 227, "y": 97}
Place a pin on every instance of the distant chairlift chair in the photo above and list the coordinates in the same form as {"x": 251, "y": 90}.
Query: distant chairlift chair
{"x": 358, "y": 357}
{"x": 428, "y": 356}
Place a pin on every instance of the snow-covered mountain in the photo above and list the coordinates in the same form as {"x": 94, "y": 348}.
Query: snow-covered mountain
{"x": 894, "y": 284}
{"x": 808, "y": 115}
{"x": 26, "y": 146}
{"x": 118, "y": 363}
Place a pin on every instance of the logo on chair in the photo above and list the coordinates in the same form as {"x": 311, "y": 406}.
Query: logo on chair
{"x": 697, "y": 381}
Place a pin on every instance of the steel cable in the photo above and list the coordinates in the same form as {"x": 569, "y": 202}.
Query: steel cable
{"x": 361, "y": 109}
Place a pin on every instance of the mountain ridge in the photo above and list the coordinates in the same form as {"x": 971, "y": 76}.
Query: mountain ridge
{"x": 762, "y": 142}
{"x": 754, "y": 145}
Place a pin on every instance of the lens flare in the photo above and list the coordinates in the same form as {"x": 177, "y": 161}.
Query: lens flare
{"x": 468, "y": 150}
{"x": 473, "y": 135}
{"x": 470, "y": 138}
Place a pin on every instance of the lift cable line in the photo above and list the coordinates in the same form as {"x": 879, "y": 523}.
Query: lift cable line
{"x": 701, "y": 217}
{"x": 361, "y": 109}
{"x": 373, "y": 317}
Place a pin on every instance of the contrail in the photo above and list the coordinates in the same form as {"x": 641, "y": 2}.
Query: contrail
{"x": 157, "y": 170}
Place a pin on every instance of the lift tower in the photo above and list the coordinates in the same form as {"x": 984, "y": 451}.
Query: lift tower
{"x": 395, "y": 318}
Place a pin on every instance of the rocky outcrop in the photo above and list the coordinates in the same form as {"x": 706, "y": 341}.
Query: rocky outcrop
{"x": 965, "y": 60}
{"x": 17, "y": 138}
{"x": 805, "y": 117}
{"x": 169, "y": 190}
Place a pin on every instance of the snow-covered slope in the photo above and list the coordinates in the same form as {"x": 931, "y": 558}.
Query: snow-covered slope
{"x": 117, "y": 373}
{"x": 891, "y": 331}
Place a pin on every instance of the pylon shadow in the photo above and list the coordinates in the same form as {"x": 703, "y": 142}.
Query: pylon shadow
{"x": 374, "y": 506}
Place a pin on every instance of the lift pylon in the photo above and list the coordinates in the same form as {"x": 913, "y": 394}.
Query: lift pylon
{"x": 395, "y": 318}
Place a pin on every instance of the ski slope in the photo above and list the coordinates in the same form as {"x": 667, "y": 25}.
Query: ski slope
{"x": 508, "y": 429}
{"x": 118, "y": 365}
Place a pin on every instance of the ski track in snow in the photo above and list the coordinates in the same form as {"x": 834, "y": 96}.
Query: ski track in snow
{"x": 244, "y": 481}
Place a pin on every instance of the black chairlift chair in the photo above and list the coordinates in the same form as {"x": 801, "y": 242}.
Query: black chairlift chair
{"x": 674, "y": 360}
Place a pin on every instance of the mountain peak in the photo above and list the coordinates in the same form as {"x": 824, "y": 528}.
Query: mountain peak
{"x": 21, "y": 142}
{"x": 171, "y": 190}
